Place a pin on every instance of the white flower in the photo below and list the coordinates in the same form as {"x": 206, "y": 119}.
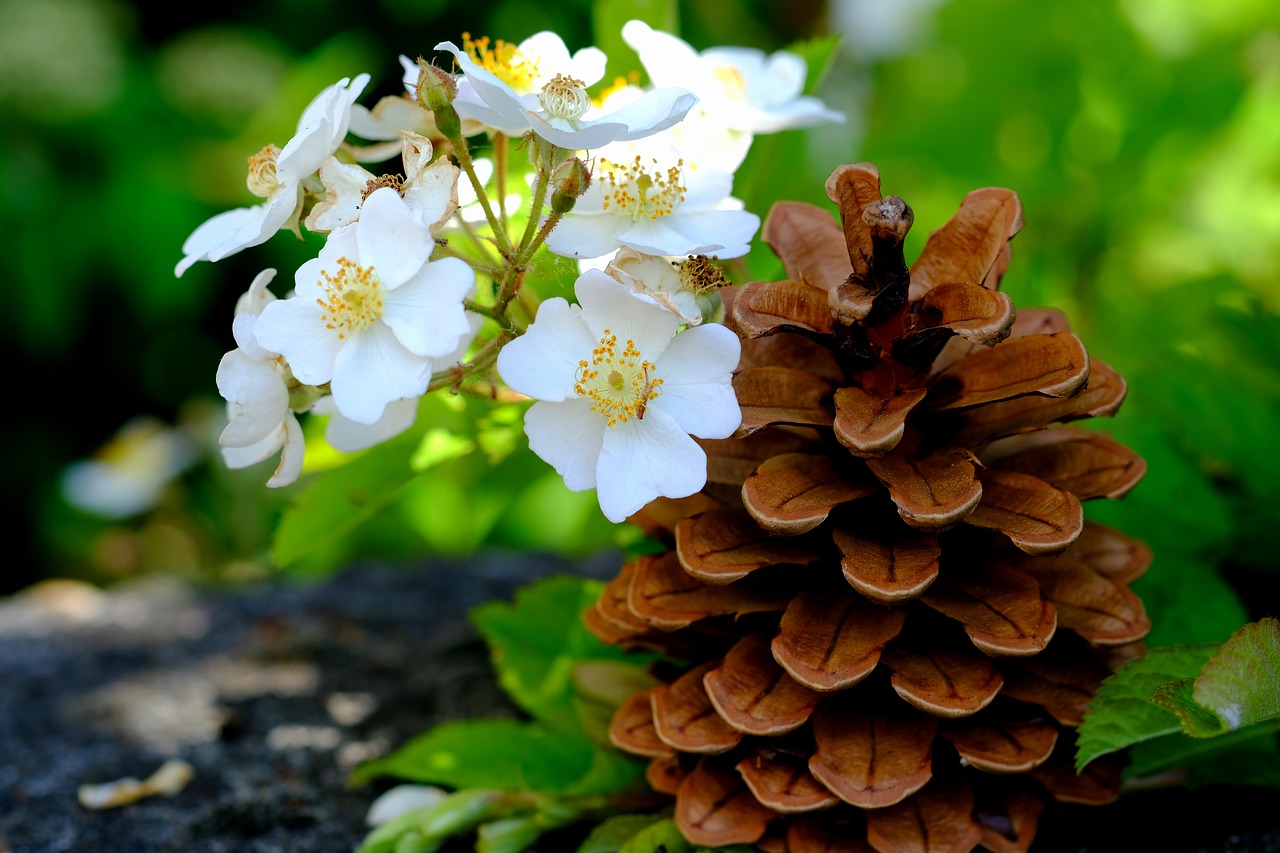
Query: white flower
{"x": 643, "y": 198}
{"x": 430, "y": 189}
{"x": 370, "y": 315}
{"x": 741, "y": 92}
{"x": 276, "y": 175}
{"x": 255, "y": 383}
{"x": 129, "y": 474}
{"x": 538, "y": 87}
{"x": 673, "y": 283}
{"x": 619, "y": 394}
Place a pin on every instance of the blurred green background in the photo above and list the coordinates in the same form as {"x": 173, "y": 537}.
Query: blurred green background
{"x": 1143, "y": 137}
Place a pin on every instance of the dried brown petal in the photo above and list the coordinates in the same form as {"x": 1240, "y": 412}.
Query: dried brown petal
{"x": 732, "y": 460}
{"x": 725, "y": 545}
{"x": 853, "y": 187}
{"x": 667, "y": 598}
{"x": 632, "y": 728}
{"x": 1012, "y": 830}
{"x": 945, "y": 682}
{"x": 715, "y": 807}
{"x": 832, "y": 640}
{"x": 1061, "y": 683}
{"x": 970, "y": 243}
{"x": 780, "y": 395}
{"x": 1036, "y": 517}
{"x": 1004, "y": 741}
{"x": 756, "y": 696}
{"x": 1088, "y": 464}
{"x": 1050, "y": 365}
{"x": 934, "y": 492}
{"x": 1091, "y": 604}
{"x": 871, "y": 758}
{"x": 685, "y": 719}
{"x": 970, "y": 310}
{"x": 1097, "y": 785}
{"x": 939, "y": 819}
{"x": 1101, "y": 397}
{"x": 809, "y": 242}
{"x": 820, "y": 834}
{"x": 872, "y": 424}
{"x": 1111, "y": 553}
{"x": 665, "y": 773}
{"x": 999, "y": 606}
{"x": 767, "y": 307}
{"x": 888, "y": 570}
{"x": 792, "y": 493}
{"x": 782, "y": 781}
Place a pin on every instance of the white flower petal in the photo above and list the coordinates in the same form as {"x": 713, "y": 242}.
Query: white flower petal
{"x": 666, "y": 59}
{"x": 344, "y": 185}
{"x": 216, "y": 232}
{"x": 257, "y": 398}
{"x": 292, "y": 454}
{"x": 492, "y": 91}
{"x": 426, "y": 312}
{"x": 732, "y": 229}
{"x": 656, "y": 111}
{"x": 697, "y": 388}
{"x": 373, "y": 369}
{"x": 295, "y": 328}
{"x": 268, "y": 218}
{"x": 644, "y": 459}
{"x": 257, "y": 296}
{"x": 243, "y": 457}
{"x": 432, "y": 192}
{"x": 567, "y": 436}
{"x": 606, "y": 304}
{"x": 543, "y": 362}
{"x": 390, "y": 238}
{"x": 350, "y": 436}
{"x": 390, "y": 116}
{"x": 587, "y": 235}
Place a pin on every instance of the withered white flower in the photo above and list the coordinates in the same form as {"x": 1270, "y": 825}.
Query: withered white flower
{"x": 538, "y": 87}
{"x": 276, "y": 175}
{"x": 620, "y": 393}
{"x": 673, "y": 283}
{"x": 371, "y": 314}
{"x": 429, "y": 189}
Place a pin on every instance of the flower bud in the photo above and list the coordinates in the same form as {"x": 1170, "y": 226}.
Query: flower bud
{"x": 569, "y": 181}
{"x": 436, "y": 87}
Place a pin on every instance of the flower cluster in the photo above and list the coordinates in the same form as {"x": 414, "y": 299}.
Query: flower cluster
{"x": 425, "y": 280}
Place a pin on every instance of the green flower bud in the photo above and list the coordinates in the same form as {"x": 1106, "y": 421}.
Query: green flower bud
{"x": 569, "y": 181}
{"x": 436, "y": 87}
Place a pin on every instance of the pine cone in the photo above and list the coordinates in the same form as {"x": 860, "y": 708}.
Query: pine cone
{"x": 891, "y": 609}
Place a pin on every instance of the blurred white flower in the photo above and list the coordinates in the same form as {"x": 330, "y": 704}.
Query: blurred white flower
{"x": 371, "y": 314}
{"x": 620, "y": 393}
{"x": 538, "y": 87}
{"x": 276, "y": 175}
{"x": 128, "y": 475}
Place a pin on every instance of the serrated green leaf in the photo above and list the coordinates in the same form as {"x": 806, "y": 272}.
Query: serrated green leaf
{"x": 1241, "y": 682}
{"x": 338, "y": 501}
{"x": 537, "y": 641}
{"x": 1196, "y": 720}
{"x": 661, "y": 837}
{"x": 610, "y": 835}
{"x": 504, "y": 755}
{"x": 1121, "y": 713}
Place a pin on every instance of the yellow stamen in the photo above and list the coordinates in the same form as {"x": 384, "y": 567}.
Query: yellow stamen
{"x": 634, "y": 191}
{"x": 353, "y": 297}
{"x": 504, "y": 61}
{"x": 619, "y": 384}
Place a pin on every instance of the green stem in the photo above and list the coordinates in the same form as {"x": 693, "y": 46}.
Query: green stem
{"x": 500, "y": 171}
{"x": 484, "y": 310}
{"x": 486, "y": 269}
{"x": 464, "y": 160}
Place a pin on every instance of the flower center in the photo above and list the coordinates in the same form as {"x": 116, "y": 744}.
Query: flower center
{"x": 353, "y": 297}
{"x": 262, "y": 180}
{"x": 620, "y": 384}
{"x": 564, "y": 97}
{"x": 637, "y": 192}
{"x": 732, "y": 84}
{"x": 504, "y": 61}
{"x": 698, "y": 275}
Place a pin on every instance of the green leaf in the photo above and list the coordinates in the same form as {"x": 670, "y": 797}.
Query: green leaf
{"x": 607, "y": 18}
{"x": 510, "y": 835}
{"x": 661, "y": 837}
{"x": 536, "y": 642}
{"x": 818, "y": 54}
{"x": 338, "y": 501}
{"x": 610, "y": 835}
{"x": 1248, "y": 756}
{"x": 1241, "y": 682}
{"x": 1120, "y": 713}
{"x": 1178, "y": 697}
{"x": 505, "y": 755}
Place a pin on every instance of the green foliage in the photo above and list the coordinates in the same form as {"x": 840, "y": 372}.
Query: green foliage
{"x": 1213, "y": 707}
{"x": 612, "y": 834}
{"x": 607, "y": 18}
